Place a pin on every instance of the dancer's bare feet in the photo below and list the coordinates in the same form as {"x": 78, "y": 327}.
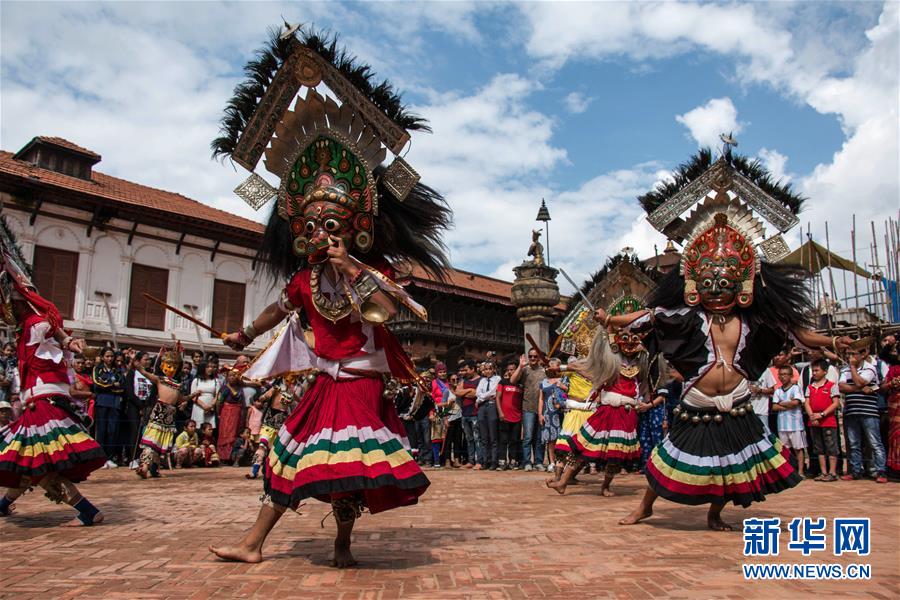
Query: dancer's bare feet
{"x": 237, "y": 553}
{"x": 714, "y": 518}
{"x": 558, "y": 486}
{"x": 715, "y": 522}
{"x": 607, "y": 493}
{"x": 343, "y": 558}
{"x": 639, "y": 514}
{"x": 76, "y": 522}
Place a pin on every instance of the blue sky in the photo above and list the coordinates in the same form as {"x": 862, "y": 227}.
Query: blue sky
{"x": 585, "y": 104}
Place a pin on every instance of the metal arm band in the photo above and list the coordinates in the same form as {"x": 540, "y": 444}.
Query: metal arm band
{"x": 365, "y": 286}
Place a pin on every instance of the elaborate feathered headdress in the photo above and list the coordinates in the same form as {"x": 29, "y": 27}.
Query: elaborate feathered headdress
{"x": 322, "y": 150}
{"x": 722, "y": 229}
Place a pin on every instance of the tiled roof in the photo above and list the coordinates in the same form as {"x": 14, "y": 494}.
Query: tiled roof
{"x": 468, "y": 281}
{"x": 63, "y": 143}
{"x": 125, "y": 192}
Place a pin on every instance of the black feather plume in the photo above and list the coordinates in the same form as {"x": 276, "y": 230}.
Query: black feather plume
{"x": 698, "y": 164}
{"x": 11, "y": 245}
{"x": 262, "y": 69}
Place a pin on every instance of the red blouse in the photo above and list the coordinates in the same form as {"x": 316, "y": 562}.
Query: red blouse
{"x": 343, "y": 338}
{"x": 31, "y": 367}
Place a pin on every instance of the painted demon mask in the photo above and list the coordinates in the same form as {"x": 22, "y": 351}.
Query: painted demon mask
{"x": 328, "y": 192}
{"x": 314, "y": 229}
{"x": 630, "y": 344}
{"x": 718, "y": 266}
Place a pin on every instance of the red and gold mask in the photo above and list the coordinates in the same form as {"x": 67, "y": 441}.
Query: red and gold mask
{"x": 328, "y": 192}
{"x": 718, "y": 267}
{"x": 314, "y": 229}
{"x": 629, "y": 344}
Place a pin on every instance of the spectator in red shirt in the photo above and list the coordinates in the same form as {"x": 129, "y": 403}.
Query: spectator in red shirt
{"x": 822, "y": 401}
{"x": 509, "y": 409}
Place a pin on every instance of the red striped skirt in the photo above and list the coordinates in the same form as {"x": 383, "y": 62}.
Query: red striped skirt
{"x": 46, "y": 439}
{"x": 343, "y": 439}
{"x": 609, "y": 435}
{"x": 730, "y": 460}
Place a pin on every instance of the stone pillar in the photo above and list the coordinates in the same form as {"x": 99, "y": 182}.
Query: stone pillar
{"x": 535, "y": 294}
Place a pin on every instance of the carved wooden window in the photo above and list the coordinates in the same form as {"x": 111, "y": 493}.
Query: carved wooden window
{"x": 228, "y": 305}
{"x": 142, "y": 313}
{"x": 55, "y": 274}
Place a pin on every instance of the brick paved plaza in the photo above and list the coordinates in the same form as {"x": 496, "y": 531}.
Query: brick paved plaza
{"x": 475, "y": 535}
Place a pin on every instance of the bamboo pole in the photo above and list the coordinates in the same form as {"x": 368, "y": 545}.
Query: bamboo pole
{"x": 879, "y": 285}
{"x": 869, "y": 284}
{"x": 812, "y": 272}
{"x": 889, "y": 270}
{"x": 830, "y": 278}
{"x": 855, "y": 275}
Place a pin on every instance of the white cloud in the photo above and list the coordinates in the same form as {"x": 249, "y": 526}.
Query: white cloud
{"x": 576, "y": 102}
{"x": 775, "y": 162}
{"x": 706, "y": 122}
{"x": 809, "y": 52}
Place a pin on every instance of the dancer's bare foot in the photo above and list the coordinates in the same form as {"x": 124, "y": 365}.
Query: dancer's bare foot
{"x": 76, "y": 522}
{"x": 343, "y": 558}
{"x": 716, "y": 523}
{"x": 141, "y": 472}
{"x": 607, "y": 493}
{"x": 237, "y": 553}
{"x": 558, "y": 486}
{"x": 639, "y": 514}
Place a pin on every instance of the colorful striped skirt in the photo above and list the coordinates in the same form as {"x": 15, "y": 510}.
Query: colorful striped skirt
{"x": 344, "y": 439}
{"x": 572, "y": 422}
{"x": 47, "y": 439}
{"x": 731, "y": 459}
{"x": 609, "y": 436}
{"x": 159, "y": 435}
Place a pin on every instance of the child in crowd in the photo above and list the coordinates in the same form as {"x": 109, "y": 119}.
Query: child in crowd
{"x": 5, "y": 414}
{"x": 187, "y": 447}
{"x": 822, "y": 401}
{"x": 242, "y": 449}
{"x": 438, "y": 430}
{"x": 254, "y": 420}
{"x": 786, "y": 401}
{"x": 208, "y": 446}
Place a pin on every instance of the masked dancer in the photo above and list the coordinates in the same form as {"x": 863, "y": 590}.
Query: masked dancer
{"x": 618, "y": 373}
{"x": 344, "y": 444}
{"x": 718, "y": 320}
{"x": 159, "y": 434}
{"x": 48, "y": 445}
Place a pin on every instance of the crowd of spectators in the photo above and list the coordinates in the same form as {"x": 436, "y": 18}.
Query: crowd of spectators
{"x": 840, "y": 418}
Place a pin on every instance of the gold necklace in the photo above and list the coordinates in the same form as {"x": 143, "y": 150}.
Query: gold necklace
{"x": 333, "y": 309}
{"x": 629, "y": 371}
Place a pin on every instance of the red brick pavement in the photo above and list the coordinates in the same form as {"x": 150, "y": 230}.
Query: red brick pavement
{"x": 474, "y": 535}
